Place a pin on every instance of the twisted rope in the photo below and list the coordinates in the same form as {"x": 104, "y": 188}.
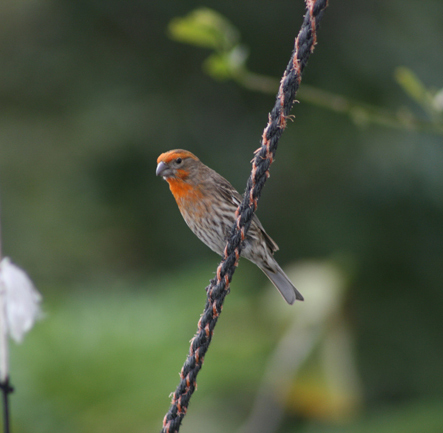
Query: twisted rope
{"x": 264, "y": 156}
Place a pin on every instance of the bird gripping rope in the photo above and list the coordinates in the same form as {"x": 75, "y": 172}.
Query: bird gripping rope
{"x": 264, "y": 156}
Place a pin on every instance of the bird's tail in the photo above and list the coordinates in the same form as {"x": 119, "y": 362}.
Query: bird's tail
{"x": 282, "y": 283}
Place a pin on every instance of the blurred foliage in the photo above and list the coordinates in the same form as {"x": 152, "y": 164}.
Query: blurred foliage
{"x": 414, "y": 417}
{"x": 92, "y": 91}
{"x": 207, "y": 28}
{"x": 104, "y": 363}
{"x": 107, "y": 363}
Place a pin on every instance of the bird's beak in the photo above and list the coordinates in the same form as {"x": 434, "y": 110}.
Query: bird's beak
{"x": 163, "y": 170}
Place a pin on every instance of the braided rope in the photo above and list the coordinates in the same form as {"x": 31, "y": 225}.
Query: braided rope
{"x": 264, "y": 156}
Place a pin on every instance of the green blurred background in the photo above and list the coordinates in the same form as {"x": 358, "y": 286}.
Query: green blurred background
{"x": 92, "y": 91}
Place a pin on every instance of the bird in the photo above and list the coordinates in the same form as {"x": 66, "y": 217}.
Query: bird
{"x": 208, "y": 202}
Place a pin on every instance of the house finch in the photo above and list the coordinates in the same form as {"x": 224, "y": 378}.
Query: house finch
{"x": 207, "y": 202}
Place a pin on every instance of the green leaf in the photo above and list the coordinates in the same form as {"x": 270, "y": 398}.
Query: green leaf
{"x": 226, "y": 65}
{"x": 412, "y": 85}
{"x": 217, "y": 66}
{"x": 205, "y": 28}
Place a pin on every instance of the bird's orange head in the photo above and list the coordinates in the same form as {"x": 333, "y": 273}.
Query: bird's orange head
{"x": 176, "y": 164}
{"x": 183, "y": 171}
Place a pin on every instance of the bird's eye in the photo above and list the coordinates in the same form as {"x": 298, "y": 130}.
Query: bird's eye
{"x": 178, "y": 161}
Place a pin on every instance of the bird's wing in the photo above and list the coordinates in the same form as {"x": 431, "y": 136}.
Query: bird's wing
{"x": 232, "y": 195}
{"x": 269, "y": 241}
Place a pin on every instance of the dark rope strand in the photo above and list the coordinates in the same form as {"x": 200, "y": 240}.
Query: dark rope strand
{"x": 264, "y": 156}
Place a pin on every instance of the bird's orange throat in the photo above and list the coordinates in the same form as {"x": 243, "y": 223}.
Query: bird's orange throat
{"x": 183, "y": 192}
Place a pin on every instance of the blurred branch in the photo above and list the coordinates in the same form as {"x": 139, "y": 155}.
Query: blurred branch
{"x": 319, "y": 324}
{"x": 207, "y": 28}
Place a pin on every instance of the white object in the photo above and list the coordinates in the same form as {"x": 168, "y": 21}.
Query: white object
{"x": 19, "y": 309}
{"x": 21, "y": 300}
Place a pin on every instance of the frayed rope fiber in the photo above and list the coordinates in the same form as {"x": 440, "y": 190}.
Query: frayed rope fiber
{"x": 264, "y": 156}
